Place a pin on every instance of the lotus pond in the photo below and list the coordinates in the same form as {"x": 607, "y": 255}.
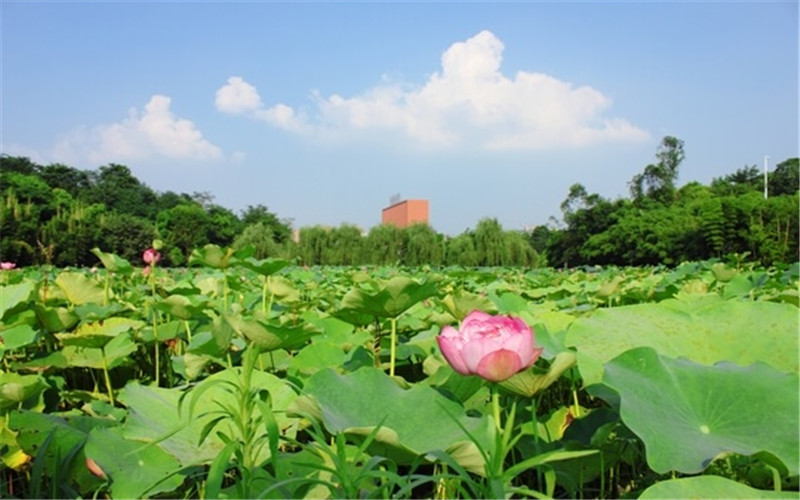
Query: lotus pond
{"x": 245, "y": 378}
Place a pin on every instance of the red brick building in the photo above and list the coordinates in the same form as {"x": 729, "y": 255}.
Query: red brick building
{"x": 406, "y": 212}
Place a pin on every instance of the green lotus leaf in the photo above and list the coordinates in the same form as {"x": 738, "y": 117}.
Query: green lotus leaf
{"x": 211, "y": 256}
{"x": 317, "y": 356}
{"x": 55, "y": 319}
{"x": 264, "y": 267}
{"x": 97, "y": 312}
{"x": 460, "y": 303}
{"x": 270, "y": 335}
{"x": 154, "y": 415}
{"x": 115, "y": 352}
{"x": 18, "y": 389}
{"x": 16, "y": 337}
{"x": 509, "y": 303}
{"x": 534, "y": 380}
{"x": 390, "y": 299}
{"x": 99, "y": 333}
{"x": 113, "y": 262}
{"x": 12, "y": 296}
{"x": 360, "y": 401}
{"x": 135, "y": 470}
{"x": 708, "y": 487}
{"x": 687, "y": 414}
{"x": 705, "y": 330}
{"x": 66, "y": 434}
{"x": 80, "y": 289}
{"x": 182, "y": 306}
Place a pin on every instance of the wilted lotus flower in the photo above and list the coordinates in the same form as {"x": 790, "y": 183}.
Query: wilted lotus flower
{"x": 7, "y": 266}
{"x": 493, "y": 347}
{"x": 151, "y": 256}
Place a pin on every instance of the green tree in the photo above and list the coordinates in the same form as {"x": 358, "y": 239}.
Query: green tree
{"x": 224, "y": 225}
{"x": 281, "y": 229}
{"x": 116, "y": 188}
{"x": 539, "y": 238}
{"x": 313, "y": 245}
{"x": 785, "y": 179}
{"x": 260, "y": 237}
{"x": 72, "y": 232}
{"x": 744, "y": 180}
{"x": 17, "y": 164}
{"x": 185, "y": 227}
{"x": 490, "y": 244}
{"x": 125, "y": 235}
{"x": 345, "y": 246}
{"x": 460, "y": 251}
{"x": 385, "y": 245}
{"x": 75, "y": 182}
{"x": 423, "y": 246}
{"x": 520, "y": 252}
{"x": 658, "y": 180}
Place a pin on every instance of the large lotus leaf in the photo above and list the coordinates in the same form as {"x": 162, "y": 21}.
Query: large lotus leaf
{"x": 154, "y": 414}
{"x": 282, "y": 289}
{"x": 69, "y": 433}
{"x": 509, "y": 303}
{"x": 12, "y": 296}
{"x": 182, "y": 306}
{"x": 264, "y": 267}
{"x": 96, "y": 312}
{"x": 413, "y": 422}
{"x": 113, "y": 262}
{"x": 389, "y": 300}
{"x": 99, "y": 333}
{"x": 317, "y": 356}
{"x": 116, "y": 352}
{"x": 269, "y": 334}
{"x": 460, "y": 303}
{"x": 79, "y": 289}
{"x": 211, "y": 256}
{"x": 135, "y": 469}
{"x": 534, "y": 380}
{"x": 709, "y": 487}
{"x": 704, "y": 330}
{"x": 17, "y": 390}
{"x": 687, "y": 413}
{"x": 337, "y": 331}
{"x": 55, "y": 319}
{"x": 16, "y": 337}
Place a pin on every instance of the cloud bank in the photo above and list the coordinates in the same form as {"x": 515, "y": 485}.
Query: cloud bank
{"x": 155, "y": 132}
{"x": 468, "y": 101}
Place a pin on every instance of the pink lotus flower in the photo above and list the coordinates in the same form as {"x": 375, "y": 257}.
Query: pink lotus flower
{"x": 151, "y": 256}
{"x": 492, "y": 347}
{"x": 7, "y": 266}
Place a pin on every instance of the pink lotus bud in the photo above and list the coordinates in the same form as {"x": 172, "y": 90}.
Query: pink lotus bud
{"x": 7, "y": 266}
{"x": 95, "y": 469}
{"x": 151, "y": 256}
{"x": 492, "y": 347}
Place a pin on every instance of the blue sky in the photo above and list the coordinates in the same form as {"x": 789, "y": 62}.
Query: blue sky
{"x": 323, "y": 111}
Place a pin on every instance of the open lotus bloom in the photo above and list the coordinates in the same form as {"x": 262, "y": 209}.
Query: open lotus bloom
{"x": 7, "y": 266}
{"x": 492, "y": 347}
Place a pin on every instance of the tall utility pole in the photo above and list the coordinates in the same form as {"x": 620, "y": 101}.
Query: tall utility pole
{"x": 765, "y": 176}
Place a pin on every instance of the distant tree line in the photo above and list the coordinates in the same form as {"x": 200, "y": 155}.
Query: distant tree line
{"x": 663, "y": 224}
{"x": 56, "y": 214}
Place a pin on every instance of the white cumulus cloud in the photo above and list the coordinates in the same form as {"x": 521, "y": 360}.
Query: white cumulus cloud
{"x": 238, "y": 97}
{"x": 468, "y": 101}
{"x": 153, "y": 132}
